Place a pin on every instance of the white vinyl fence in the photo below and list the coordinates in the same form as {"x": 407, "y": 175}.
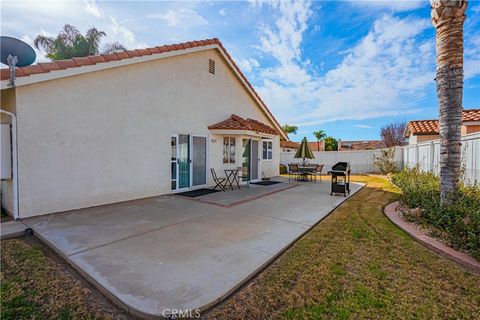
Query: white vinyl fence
{"x": 361, "y": 161}
{"x": 426, "y": 155}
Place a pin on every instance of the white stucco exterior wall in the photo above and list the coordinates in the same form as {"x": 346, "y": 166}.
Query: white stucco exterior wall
{"x": 104, "y": 137}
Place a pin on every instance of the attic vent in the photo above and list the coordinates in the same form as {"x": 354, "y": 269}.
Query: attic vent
{"x": 211, "y": 66}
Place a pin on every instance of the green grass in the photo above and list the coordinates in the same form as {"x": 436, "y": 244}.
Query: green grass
{"x": 36, "y": 286}
{"x": 357, "y": 265}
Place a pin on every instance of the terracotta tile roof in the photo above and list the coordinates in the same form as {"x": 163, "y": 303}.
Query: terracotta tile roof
{"x": 361, "y": 145}
{"x": 238, "y": 123}
{"x": 418, "y": 127}
{"x": 471, "y": 115}
{"x": 104, "y": 58}
{"x": 289, "y": 144}
{"x": 423, "y": 127}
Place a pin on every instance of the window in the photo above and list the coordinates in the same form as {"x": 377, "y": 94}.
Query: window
{"x": 267, "y": 149}
{"x": 229, "y": 150}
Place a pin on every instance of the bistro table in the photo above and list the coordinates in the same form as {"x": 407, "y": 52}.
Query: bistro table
{"x": 232, "y": 178}
{"x": 305, "y": 171}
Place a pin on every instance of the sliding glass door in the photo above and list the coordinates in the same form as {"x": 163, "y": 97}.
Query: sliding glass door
{"x": 188, "y": 161}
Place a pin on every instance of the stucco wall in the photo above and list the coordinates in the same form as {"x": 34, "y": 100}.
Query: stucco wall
{"x": 104, "y": 137}
{"x": 7, "y": 103}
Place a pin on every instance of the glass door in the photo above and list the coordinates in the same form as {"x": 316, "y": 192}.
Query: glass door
{"x": 199, "y": 161}
{"x": 246, "y": 160}
{"x": 254, "y": 160}
{"x": 173, "y": 161}
{"x": 183, "y": 161}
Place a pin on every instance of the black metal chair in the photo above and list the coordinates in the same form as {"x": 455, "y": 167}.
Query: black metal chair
{"x": 243, "y": 174}
{"x": 219, "y": 182}
{"x": 293, "y": 171}
{"x": 317, "y": 172}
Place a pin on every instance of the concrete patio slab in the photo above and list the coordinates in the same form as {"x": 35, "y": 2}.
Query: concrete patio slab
{"x": 169, "y": 252}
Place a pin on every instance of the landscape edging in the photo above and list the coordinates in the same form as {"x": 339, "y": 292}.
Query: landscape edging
{"x": 433, "y": 244}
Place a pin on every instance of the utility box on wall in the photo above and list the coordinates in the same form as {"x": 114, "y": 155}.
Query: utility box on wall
{"x": 6, "y": 151}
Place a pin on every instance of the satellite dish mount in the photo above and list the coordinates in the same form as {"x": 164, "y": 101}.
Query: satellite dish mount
{"x": 12, "y": 65}
{"x": 15, "y": 53}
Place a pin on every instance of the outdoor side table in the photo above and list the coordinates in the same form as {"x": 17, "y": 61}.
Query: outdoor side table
{"x": 232, "y": 178}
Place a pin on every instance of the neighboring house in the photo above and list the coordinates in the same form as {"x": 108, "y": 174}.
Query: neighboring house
{"x": 426, "y": 130}
{"x": 289, "y": 146}
{"x": 133, "y": 124}
{"x": 360, "y": 145}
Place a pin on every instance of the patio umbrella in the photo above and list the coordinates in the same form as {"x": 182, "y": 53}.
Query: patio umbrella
{"x": 304, "y": 151}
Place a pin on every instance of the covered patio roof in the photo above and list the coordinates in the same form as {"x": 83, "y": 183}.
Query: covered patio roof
{"x": 236, "y": 124}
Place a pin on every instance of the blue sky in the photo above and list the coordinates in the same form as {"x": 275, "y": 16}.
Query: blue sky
{"x": 345, "y": 67}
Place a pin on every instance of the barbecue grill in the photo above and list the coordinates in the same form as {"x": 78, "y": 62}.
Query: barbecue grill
{"x": 340, "y": 178}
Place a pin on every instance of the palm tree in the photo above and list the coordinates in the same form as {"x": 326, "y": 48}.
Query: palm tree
{"x": 71, "y": 43}
{"x": 448, "y": 17}
{"x": 290, "y": 129}
{"x": 320, "y": 135}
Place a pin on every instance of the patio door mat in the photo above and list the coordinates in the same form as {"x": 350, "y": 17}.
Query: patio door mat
{"x": 266, "y": 183}
{"x": 196, "y": 193}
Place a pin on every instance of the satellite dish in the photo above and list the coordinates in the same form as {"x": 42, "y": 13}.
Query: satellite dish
{"x": 16, "y": 48}
{"x": 15, "y": 53}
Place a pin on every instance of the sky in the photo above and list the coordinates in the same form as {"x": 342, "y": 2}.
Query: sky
{"x": 345, "y": 67}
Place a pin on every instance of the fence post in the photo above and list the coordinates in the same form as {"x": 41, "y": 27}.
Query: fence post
{"x": 432, "y": 156}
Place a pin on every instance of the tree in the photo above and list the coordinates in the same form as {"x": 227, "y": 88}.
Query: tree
{"x": 448, "y": 17}
{"x": 392, "y": 134}
{"x": 320, "y": 135}
{"x": 71, "y": 43}
{"x": 331, "y": 144}
{"x": 113, "y": 47}
{"x": 290, "y": 129}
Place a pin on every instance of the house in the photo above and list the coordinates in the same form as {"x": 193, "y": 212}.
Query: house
{"x": 426, "y": 130}
{"x": 360, "y": 145}
{"x": 291, "y": 146}
{"x": 134, "y": 124}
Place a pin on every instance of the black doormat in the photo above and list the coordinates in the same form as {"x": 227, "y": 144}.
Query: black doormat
{"x": 197, "y": 193}
{"x": 266, "y": 183}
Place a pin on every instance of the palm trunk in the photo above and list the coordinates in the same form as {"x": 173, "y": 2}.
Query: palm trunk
{"x": 448, "y": 17}
{"x": 318, "y": 145}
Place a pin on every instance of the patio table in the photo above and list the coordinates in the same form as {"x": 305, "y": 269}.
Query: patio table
{"x": 232, "y": 178}
{"x": 305, "y": 170}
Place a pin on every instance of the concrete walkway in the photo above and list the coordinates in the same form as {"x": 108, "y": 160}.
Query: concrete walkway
{"x": 169, "y": 252}
{"x": 12, "y": 229}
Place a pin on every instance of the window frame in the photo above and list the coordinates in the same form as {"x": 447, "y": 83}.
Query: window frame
{"x": 229, "y": 145}
{"x": 269, "y": 142}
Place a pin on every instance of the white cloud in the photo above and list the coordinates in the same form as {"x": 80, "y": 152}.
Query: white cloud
{"x": 384, "y": 74}
{"x": 247, "y": 65}
{"x": 222, "y": 12}
{"x": 178, "y": 17}
{"x": 393, "y": 5}
{"x": 92, "y": 8}
{"x": 363, "y": 126}
{"x": 119, "y": 32}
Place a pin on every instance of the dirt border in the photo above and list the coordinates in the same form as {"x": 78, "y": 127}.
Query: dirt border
{"x": 436, "y": 246}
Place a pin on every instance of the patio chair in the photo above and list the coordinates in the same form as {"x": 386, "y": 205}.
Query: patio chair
{"x": 243, "y": 174}
{"x": 293, "y": 171}
{"x": 317, "y": 172}
{"x": 219, "y": 182}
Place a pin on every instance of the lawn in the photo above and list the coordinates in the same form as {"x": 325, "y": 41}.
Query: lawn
{"x": 35, "y": 284}
{"x": 357, "y": 265}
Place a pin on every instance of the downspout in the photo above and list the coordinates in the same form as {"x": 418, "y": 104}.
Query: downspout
{"x": 16, "y": 215}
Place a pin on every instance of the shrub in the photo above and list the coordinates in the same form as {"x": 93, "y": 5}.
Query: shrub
{"x": 386, "y": 163}
{"x": 457, "y": 223}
